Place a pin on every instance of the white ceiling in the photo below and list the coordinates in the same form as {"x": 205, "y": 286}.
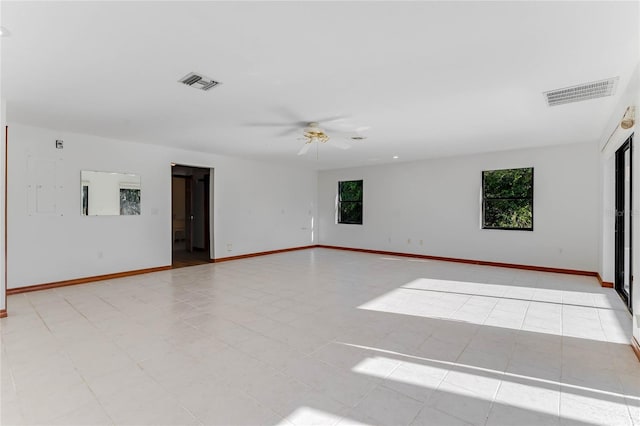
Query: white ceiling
{"x": 431, "y": 79}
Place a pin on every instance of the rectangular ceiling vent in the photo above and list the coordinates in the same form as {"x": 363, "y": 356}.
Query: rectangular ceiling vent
{"x": 198, "y": 81}
{"x": 582, "y": 92}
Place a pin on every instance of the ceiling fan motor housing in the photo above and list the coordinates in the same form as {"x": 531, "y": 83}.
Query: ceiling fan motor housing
{"x": 312, "y": 131}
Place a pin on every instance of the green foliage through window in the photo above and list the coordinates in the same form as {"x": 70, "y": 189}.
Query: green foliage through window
{"x": 507, "y": 199}
{"x": 350, "y": 202}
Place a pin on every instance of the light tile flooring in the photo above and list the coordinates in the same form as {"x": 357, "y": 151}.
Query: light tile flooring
{"x": 322, "y": 337}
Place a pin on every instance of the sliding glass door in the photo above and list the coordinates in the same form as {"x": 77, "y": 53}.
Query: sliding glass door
{"x": 624, "y": 276}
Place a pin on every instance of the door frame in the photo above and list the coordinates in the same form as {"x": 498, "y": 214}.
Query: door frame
{"x": 208, "y": 209}
{"x": 620, "y": 209}
{"x": 188, "y": 212}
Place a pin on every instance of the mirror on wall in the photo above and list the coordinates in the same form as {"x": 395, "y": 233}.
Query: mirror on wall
{"x": 109, "y": 193}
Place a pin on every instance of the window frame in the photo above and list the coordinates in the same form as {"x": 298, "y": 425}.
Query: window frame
{"x": 485, "y": 198}
{"x": 341, "y": 201}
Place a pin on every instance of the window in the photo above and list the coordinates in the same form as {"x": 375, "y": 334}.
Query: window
{"x": 507, "y": 199}
{"x": 350, "y": 202}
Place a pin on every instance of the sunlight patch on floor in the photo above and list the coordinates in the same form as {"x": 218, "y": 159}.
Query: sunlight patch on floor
{"x": 552, "y": 311}
{"x": 434, "y": 367}
{"x": 310, "y": 416}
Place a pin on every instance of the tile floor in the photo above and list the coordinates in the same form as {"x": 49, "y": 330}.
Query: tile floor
{"x": 322, "y": 337}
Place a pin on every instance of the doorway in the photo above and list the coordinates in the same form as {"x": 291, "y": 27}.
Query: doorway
{"x": 624, "y": 249}
{"x": 190, "y": 214}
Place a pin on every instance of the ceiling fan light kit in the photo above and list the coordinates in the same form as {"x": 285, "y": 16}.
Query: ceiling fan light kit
{"x": 315, "y": 133}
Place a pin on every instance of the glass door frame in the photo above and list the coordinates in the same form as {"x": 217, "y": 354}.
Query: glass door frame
{"x": 624, "y": 211}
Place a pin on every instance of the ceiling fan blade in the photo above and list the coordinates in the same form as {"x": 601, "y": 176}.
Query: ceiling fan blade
{"x": 340, "y": 144}
{"x": 289, "y": 131}
{"x": 304, "y": 149}
{"x": 290, "y": 119}
{"x": 290, "y": 116}
{"x": 333, "y": 118}
{"x": 256, "y": 124}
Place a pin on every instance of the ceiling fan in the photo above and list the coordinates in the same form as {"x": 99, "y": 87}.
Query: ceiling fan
{"x": 312, "y": 132}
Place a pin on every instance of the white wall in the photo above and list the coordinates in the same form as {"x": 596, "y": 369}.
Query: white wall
{"x": 3, "y": 122}
{"x": 256, "y": 207}
{"x": 436, "y": 205}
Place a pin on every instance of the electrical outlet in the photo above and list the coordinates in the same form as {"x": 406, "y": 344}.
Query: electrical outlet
{"x": 408, "y": 240}
{"x": 229, "y": 247}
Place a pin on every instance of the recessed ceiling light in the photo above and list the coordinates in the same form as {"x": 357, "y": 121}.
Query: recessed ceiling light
{"x": 4, "y": 32}
{"x": 395, "y": 157}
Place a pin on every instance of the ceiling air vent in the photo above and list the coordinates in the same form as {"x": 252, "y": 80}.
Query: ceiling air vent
{"x": 582, "y": 92}
{"x": 199, "y": 81}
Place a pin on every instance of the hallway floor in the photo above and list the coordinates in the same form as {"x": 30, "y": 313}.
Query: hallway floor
{"x": 322, "y": 337}
{"x": 181, "y": 258}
